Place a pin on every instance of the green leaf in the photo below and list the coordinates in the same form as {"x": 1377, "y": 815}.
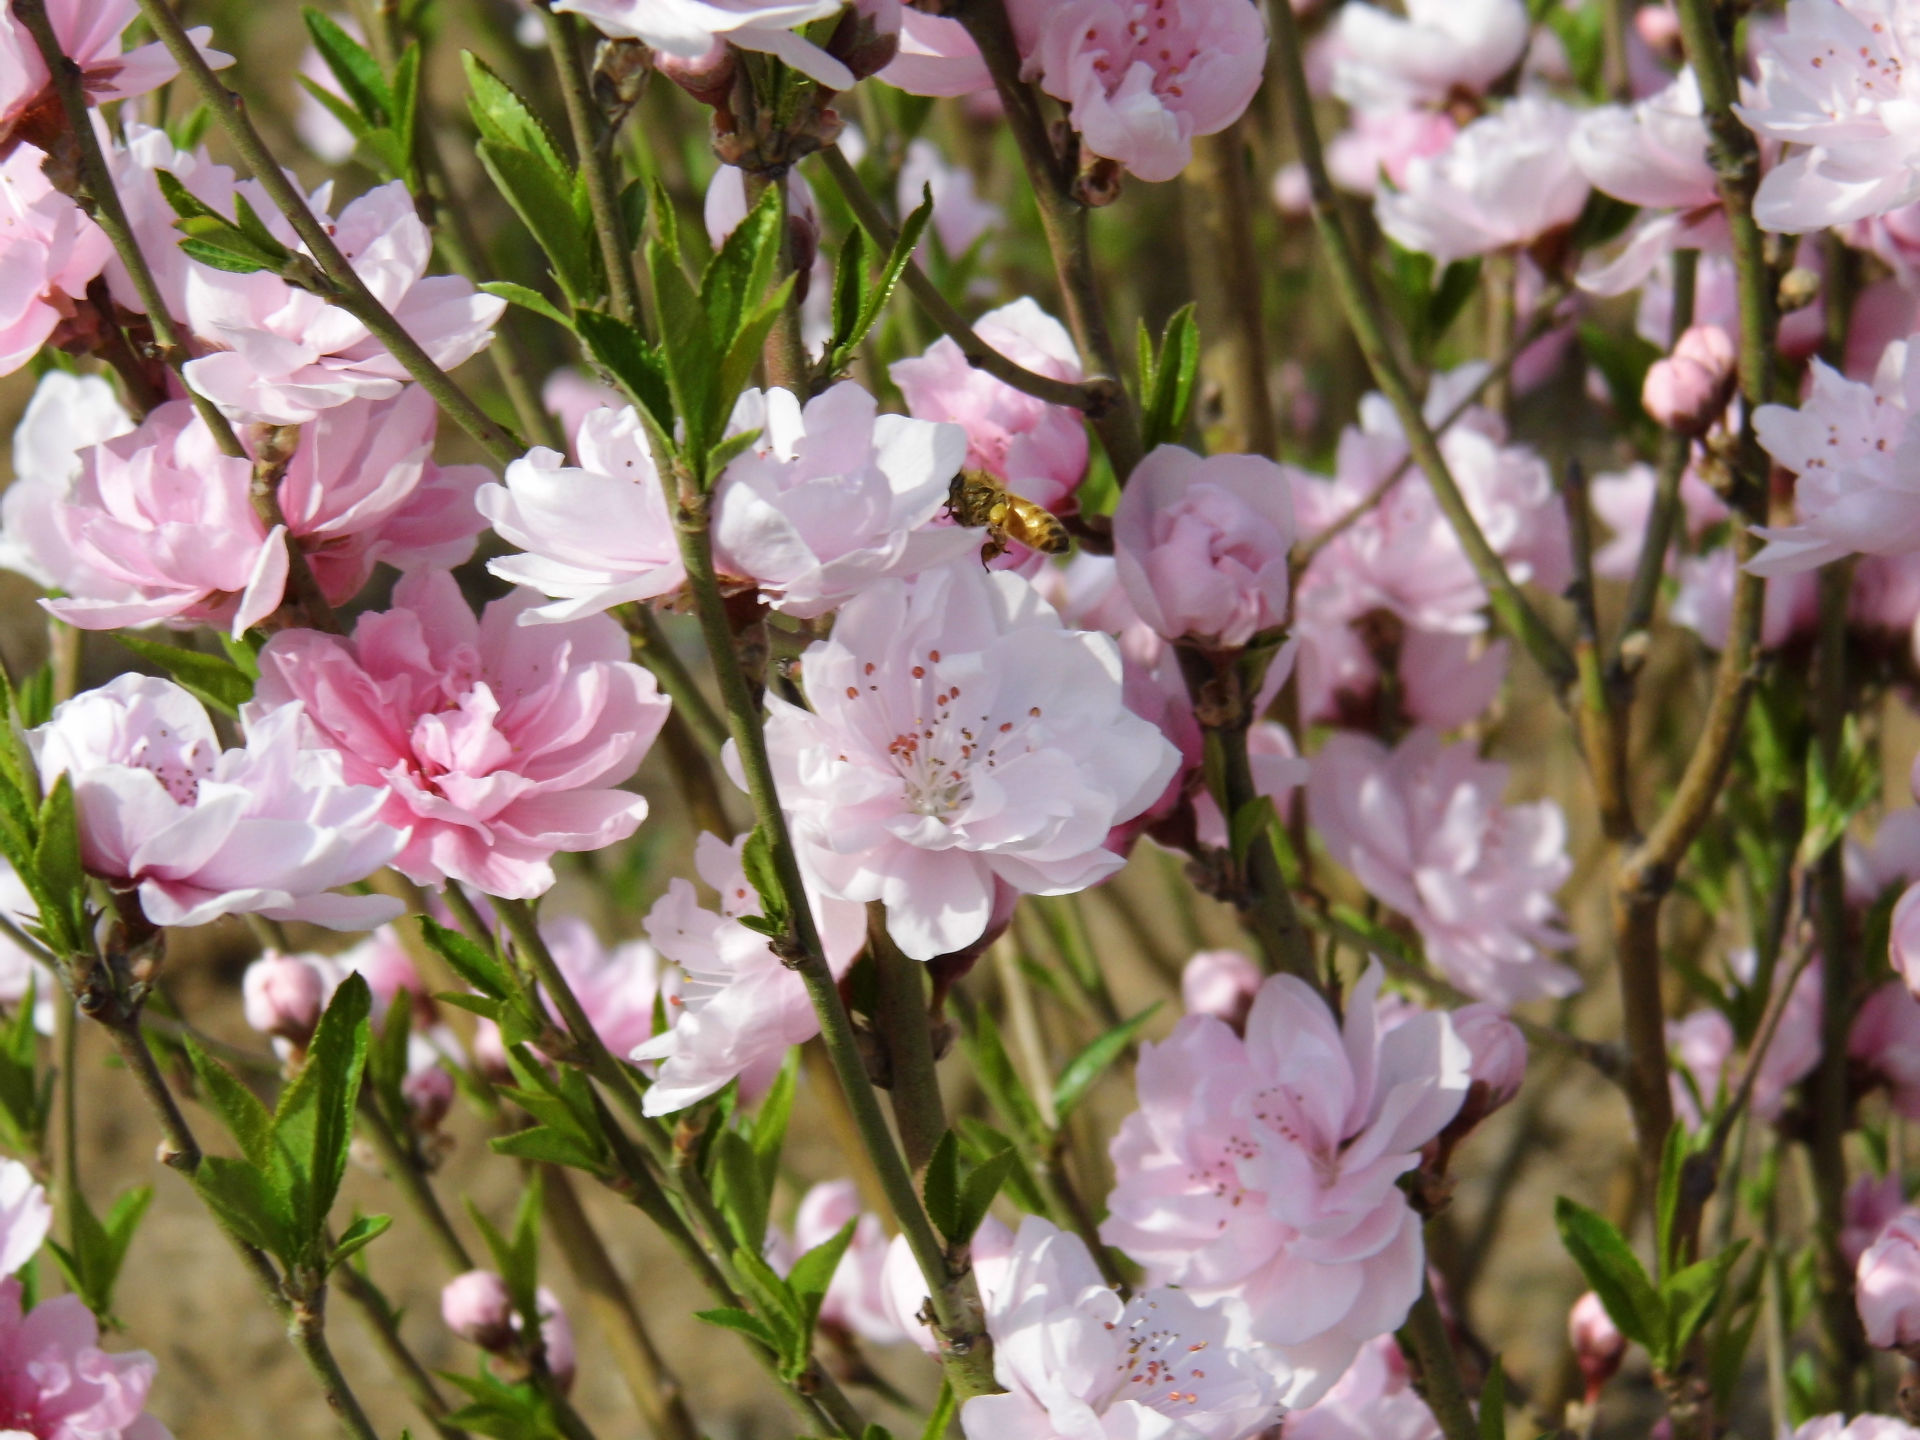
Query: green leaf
{"x": 1602, "y": 220}
{"x": 940, "y": 1187}
{"x": 812, "y": 1273}
{"x": 503, "y": 118}
{"x": 1459, "y": 282}
{"x": 1091, "y": 1063}
{"x": 61, "y": 888}
{"x": 1615, "y": 1274}
{"x": 1673, "y": 1160}
{"x": 623, "y": 352}
{"x": 233, "y": 260}
{"x": 978, "y": 1191}
{"x": 768, "y": 1135}
{"x": 313, "y": 1125}
{"x": 744, "y": 1323}
{"x": 353, "y": 66}
{"x": 981, "y": 1142}
{"x": 550, "y": 1146}
{"x": 739, "y": 1190}
{"x": 542, "y": 197}
{"x": 480, "y": 968}
{"x": 757, "y": 860}
{"x": 239, "y": 1109}
{"x": 1691, "y": 1295}
{"x": 1493, "y": 1402}
{"x": 1837, "y": 792}
{"x": 944, "y": 1409}
{"x": 849, "y": 284}
{"x": 341, "y": 110}
{"x": 210, "y": 679}
{"x": 1623, "y": 361}
{"x": 247, "y": 1204}
{"x": 1168, "y": 399}
{"x": 741, "y": 270}
{"x": 356, "y": 1237}
{"x": 689, "y": 355}
{"x": 406, "y": 100}
{"x": 93, "y": 1265}
{"x": 527, "y": 298}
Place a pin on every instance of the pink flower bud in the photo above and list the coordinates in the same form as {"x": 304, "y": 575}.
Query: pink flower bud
{"x": 1220, "y": 983}
{"x": 1689, "y": 389}
{"x": 1659, "y": 29}
{"x": 1903, "y": 939}
{"x": 1598, "y": 1345}
{"x": 1499, "y": 1052}
{"x": 429, "y": 1095}
{"x": 556, "y": 1334}
{"x": 708, "y": 79}
{"x": 283, "y": 996}
{"x": 1887, "y": 1286}
{"x": 477, "y": 1307}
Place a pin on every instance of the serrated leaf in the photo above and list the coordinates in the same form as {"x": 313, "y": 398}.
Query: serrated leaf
{"x": 689, "y": 354}
{"x": 505, "y": 119}
{"x": 1616, "y": 1275}
{"x": 1091, "y": 1063}
{"x": 543, "y": 199}
{"x": 769, "y": 1133}
{"x": 60, "y": 887}
{"x": 547, "y": 1145}
{"x": 473, "y": 964}
{"x": 356, "y": 1237}
{"x": 313, "y": 1124}
{"x": 813, "y": 1272}
{"x": 225, "y": 258}
{"x": 738, "y": 1189}
{"x": 623, "y": 352}
{"x": 210, "y": 679}
{"x": 849, "y": 283}
{"x": 978, "y": 1191}
{"x": 940, "y": 1187}
{"x": 1169, "y": 402}
{"x": 756, "y": 859}
{"x": 742, "y": 269}
{"x": 742, "y": 1322}
{"x": 247, "y": 1204}
{"x": 1673, "y": 1159}
{"x": 1692, "y": 1293}
{"x": 247, "y": 1120}
{"x": 353, "y": 66}
{"x": 406, "y": 99}
{"x": 527, "y": 298}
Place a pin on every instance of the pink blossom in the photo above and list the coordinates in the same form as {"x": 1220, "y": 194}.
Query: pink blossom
{"x": 1887, "y": 1285}
{"x": 1598, "y": 1345}
{"x": 1861, "y": 1427}
{"x": 1885, "y": 1043}
{"x": 1423, "y": 829}
{"x": 1373, "y": 1400}
{"x": 1688, "y": 390}
{"x": 1076, "y": 1359}
{"x": 282, "y": 996}
{"x": 1903, "y": 938}
{"x": 1704, "y": 1045}
{"x": 67, "y": 414}
{"x": 1853, "y": 447}
{"x": 478, "y": 1307}
{"x": 159, "y": 524}
{"x": 1871, "y": 1204}
{"x": 1142, "y": 78}
{"x": 1507, "y": 180}
{"x": 1498, "y": 1050}
{"x": 49, "y": 252}
{"x": 268, "y": 829}
{"x": 1703, "y": 601}
{"x": 571, "y": 395}
{"x": 1894, "y": 237}
{"x": 832, "y": 497}
{"x": 960, "y": 216}
{"x": 1623, "y": 499}
{"x": 1421, "y": 59}
{"x": 1654, "y": 155}
{"x": 89, "y": 32}
{"x": 1220, "y": 983}
{"x": 689, "y": 29}
{"x": 1833, "y": 85}
{"x": 56, "y": 1382}
{"x": 1036, "y": 449}
{"x": 500, "y": 742}
{"x": 597, "y": 535}
{"x": 26, "y": 1216}
{"x": 1202, "y": 545}
{"x": 856, "y": 1298}
{"x": 936, "y": 57}
{"x": 1265, "y": 1168}
{"x": 736, "y": 1007}
{"x": 1385, "y": 142}
{"x": 960, "y": 737}
{"x": 282, "y": 355}
{"x": 617, "y": 985}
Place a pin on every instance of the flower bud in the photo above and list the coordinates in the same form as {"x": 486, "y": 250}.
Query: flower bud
{"x": 1220, "y": 983}
{"x": 283, "y": 996}
{"x": 1598, "y": 1345}
{"x": 1659, "y": 30}
{"x": 477, "y": 1307}
{"x": 429, "y": 1095}
{"x": 867, "y": 37}
{"x": 556, "y": 1335}
{"x": 1688, "y": 390}
{"x": 490, "y": 1053}
{"x": 708, "y": 79}
{"x": 1887, "y": 1286}
{"x": 1870, "y": 1205}
{"x": 1499, "y": 1052}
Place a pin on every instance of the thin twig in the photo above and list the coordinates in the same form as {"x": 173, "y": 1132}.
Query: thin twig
{"x": 576, "y": 91}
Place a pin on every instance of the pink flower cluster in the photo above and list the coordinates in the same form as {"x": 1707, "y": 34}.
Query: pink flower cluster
{"x": 1263, "y": 1169}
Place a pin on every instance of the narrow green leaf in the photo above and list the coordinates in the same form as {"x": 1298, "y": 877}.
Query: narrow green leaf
{"x": 527, "y": 298}
{"x": 349, "y": 118}
{"x": 223, "y": 257}
{"x": 1615, "y": 1274}
{"x": 898, "y": 258}
{"x": 505, "y": 119}
{"x": 812, "y": 1273}
{"x": 313, "y": 1125}
{"x": 769, "y": 1134}
{"x": 1170, "y": 402}
{"x": 623, "y": 352}
{"x": 940, "y": 1188}
{"x": 61, "y": 881}
{"x": 690, "y": 357}
{"x": 849, "y": 282}
{"x": 740, "y": 271}
{"x": 1091, "y": 1063}
{"x": 241, "y": 1196}
{"x": 738, "y": 1190}
{"x": 547, "y": 1145}
{"x": 978, "y": 1191}
{"x": 1493, "y": 1403}
{"x": 945, "y": 1408}
{"x": 406, "y": 100}
{"x": 1692, "y": 1293}
{"x": 1673, "y": 1160}
{"x": 356, "y": 1237}
{"x": 543, "y": 200}
{"x": 478, "y": 967}
{"x": 353, "y": 66}
{"x": 211, "y": 679}
{"x": 744, "y": 1323}
{"x": 239, "y": 1109}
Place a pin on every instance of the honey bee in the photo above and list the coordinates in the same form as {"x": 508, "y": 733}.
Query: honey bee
{"x": 977, "y": 499}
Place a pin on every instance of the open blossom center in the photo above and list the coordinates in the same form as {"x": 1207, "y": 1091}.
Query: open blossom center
{"x": 1161, "y": 1364}
{"x": 938, "y": 751}
{"x": 179, "y": 768}
{"x": 1147, "y": 29}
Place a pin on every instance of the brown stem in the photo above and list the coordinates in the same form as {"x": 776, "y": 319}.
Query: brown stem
{"x": 1436, "y": 1369}
{"x": 1226, "y": 276}
{"x": 576, "y": 89}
